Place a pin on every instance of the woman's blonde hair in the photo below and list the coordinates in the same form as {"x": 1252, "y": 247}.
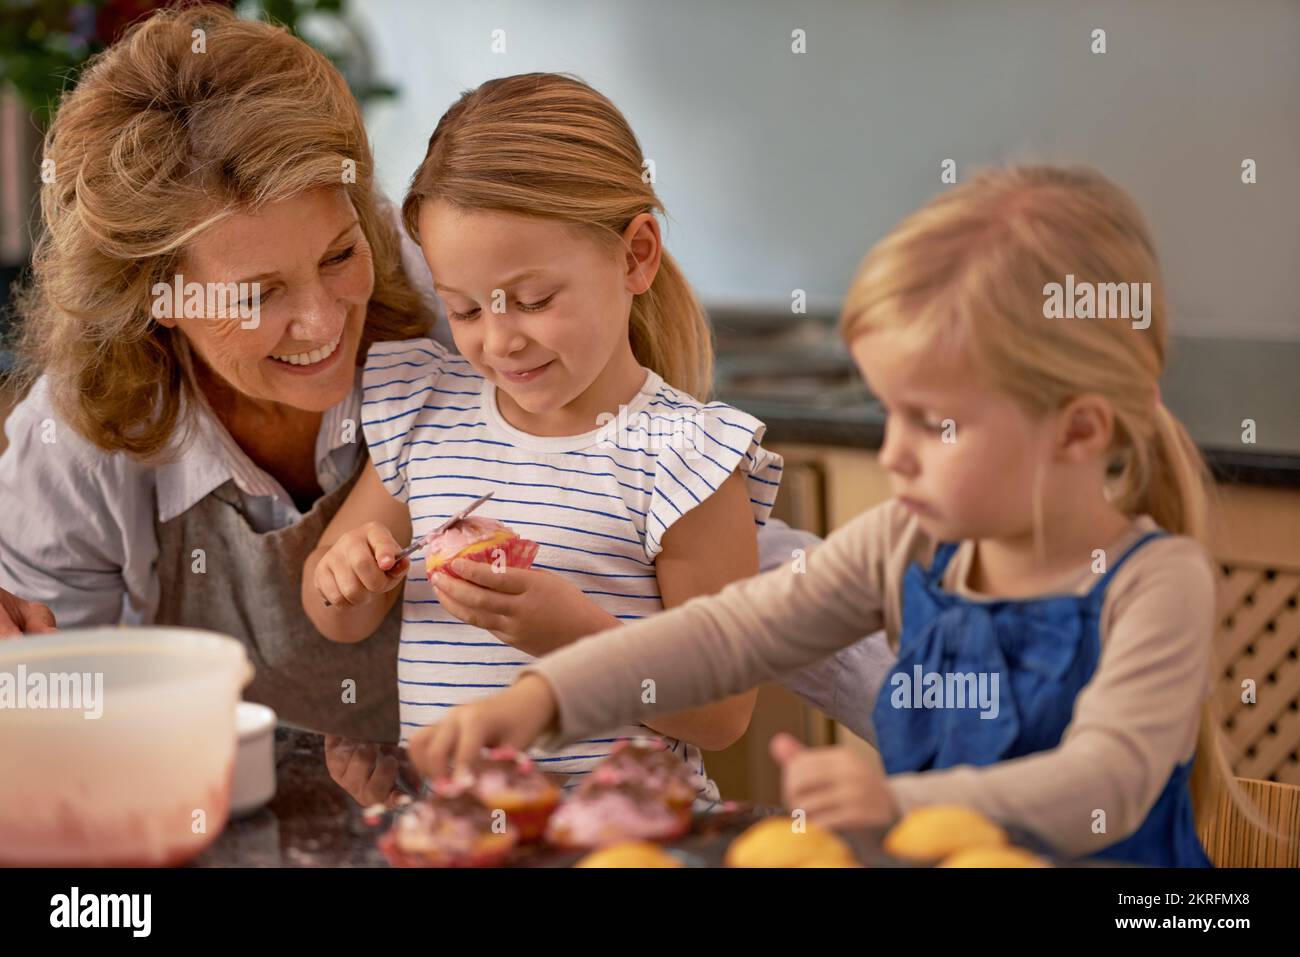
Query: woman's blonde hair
{"x": 968, "y": 274}
{"x": 549, "y": 146}
{"x": 158, "y": 141}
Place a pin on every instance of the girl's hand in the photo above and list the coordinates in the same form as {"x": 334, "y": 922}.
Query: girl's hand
{"x": 532, "y": 609}
{"x": 514, "y": 717}
{"x": 360, "y": 566}
{"x": 836, "y": 787}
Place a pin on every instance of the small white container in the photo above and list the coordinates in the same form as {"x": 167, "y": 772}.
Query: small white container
{"x": 254, "y": 780}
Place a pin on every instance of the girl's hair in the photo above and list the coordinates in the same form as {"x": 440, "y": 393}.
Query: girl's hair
{"x": 549, "y": 146}
{"x": 156, "y": 143}
{"x": 967, "y": 275}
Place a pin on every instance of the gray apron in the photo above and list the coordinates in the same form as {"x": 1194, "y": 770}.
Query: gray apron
{"x": 251, "y": 590}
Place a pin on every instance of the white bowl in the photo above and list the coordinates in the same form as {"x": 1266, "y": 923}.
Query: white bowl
{"x": 146, "y": 780}
{"x": 254, "y": 782}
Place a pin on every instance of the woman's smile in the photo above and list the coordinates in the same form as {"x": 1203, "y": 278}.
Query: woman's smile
{"x": 309, "y": 363}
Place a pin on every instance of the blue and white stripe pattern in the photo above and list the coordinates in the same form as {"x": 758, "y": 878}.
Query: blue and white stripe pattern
{"x": 597, "y": 506}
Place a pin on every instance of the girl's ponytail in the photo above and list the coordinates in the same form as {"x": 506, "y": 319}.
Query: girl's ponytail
{"x": 670, "y": 332}
{"x": 1166, "y": 477}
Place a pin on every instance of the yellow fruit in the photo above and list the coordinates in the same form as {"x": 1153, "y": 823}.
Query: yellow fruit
{"x": 774, "y": 842}
{"x": 994, "y": 857}
{"x": 630, "y": 854}
{"x": 940, "y": 830}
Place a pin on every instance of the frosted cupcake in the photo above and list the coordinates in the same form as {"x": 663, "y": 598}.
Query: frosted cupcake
{"x": 446, "y": 831}
{"x": 505, "y": 779}
{"x": 648, "y": 763}
{"x": 478, "y": 540}
{"x": 598, "y": 815}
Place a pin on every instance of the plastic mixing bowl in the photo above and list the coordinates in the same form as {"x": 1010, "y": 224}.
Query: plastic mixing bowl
{"x": 144, "y": 782}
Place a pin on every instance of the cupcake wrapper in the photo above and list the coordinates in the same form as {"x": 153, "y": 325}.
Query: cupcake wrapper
{"x": 530, "y": 822}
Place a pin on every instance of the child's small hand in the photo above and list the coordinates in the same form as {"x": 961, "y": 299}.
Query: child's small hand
{"x": 360, "y": 566}
{"x": 514, "y": 717}
{"x": 836, "y": 787}
{"x": 532, "y": 609}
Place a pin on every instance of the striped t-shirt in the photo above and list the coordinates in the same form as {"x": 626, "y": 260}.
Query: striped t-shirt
{"x": 597, "y": 504}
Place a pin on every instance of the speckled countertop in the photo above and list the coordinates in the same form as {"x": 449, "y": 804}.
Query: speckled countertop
{"x": 311, "y": 821}
{"x": 1212, "y": 385}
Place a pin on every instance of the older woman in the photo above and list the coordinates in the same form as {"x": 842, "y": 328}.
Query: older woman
{"x": 177, "y": 456}
{"x": 174, "y": 462}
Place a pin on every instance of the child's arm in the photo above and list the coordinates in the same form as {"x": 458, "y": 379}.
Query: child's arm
{"x": 709, "y": 547}
{"x": 1135, "y": 720}
{"x": 703, "y": 651}
{"x": 706, "y": 549}
{"x": 353, "y": 566}
{"x": 719, "y": 645}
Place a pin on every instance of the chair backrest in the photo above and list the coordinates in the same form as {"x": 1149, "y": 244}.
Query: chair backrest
{"x": 1232, "y": 840}
{"x": 1257, "y": 689}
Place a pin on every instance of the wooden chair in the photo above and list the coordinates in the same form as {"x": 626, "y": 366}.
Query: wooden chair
{"x": 1232, "y": 841}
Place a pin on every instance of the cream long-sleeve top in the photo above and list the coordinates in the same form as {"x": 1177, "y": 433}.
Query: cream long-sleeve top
{"x": 1132, "y": 723}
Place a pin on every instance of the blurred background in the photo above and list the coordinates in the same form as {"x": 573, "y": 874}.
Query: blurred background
{"x": 779, "y": 169}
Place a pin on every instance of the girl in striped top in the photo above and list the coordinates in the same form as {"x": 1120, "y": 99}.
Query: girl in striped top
{"x": 576, "y": 399}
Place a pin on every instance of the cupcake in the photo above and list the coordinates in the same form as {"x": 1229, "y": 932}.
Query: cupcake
{"x": 505, "y": 779}
{"x": 774, "y": 842}
{"x": 648, "y": 763}
{"x": 930, "y": 834}
{"x": 446, "y": 831}
{"x": 630, "y": 854}
{"x": 479, "y": 540}
{"x": 599, "y": 814}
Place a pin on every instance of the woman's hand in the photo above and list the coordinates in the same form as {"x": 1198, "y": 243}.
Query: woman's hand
{"x": 836, "y": 787}
{"x": 360, "y": 566}
{"x": 19, "y": 617}
{"x": 366, "y": 770}
{"x": 515, "y": 717}
{"x": 532, "y": 609}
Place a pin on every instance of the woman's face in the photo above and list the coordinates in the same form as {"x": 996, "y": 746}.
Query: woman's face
{"x": 314, "y": 268}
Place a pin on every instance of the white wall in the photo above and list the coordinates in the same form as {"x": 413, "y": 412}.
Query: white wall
{"x": 780, "y": 170}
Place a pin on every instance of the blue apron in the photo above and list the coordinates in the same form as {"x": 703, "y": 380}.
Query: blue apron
{"x": 1043, "y": 651}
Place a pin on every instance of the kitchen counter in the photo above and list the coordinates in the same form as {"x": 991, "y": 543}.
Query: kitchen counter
{"x": 794, "y": 374}
{"x": 311, "y": 821}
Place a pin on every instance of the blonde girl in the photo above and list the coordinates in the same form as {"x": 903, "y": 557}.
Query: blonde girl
{"x": 579, "y": 398}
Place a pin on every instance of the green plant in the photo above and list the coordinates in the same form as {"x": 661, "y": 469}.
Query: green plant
{"x": 43, "y": 43}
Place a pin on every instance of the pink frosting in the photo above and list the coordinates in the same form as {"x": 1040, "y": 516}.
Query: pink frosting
{"x": 464, "y": 533}
{"x": 424, "y": 828}
{"x": 611, "y": 816}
